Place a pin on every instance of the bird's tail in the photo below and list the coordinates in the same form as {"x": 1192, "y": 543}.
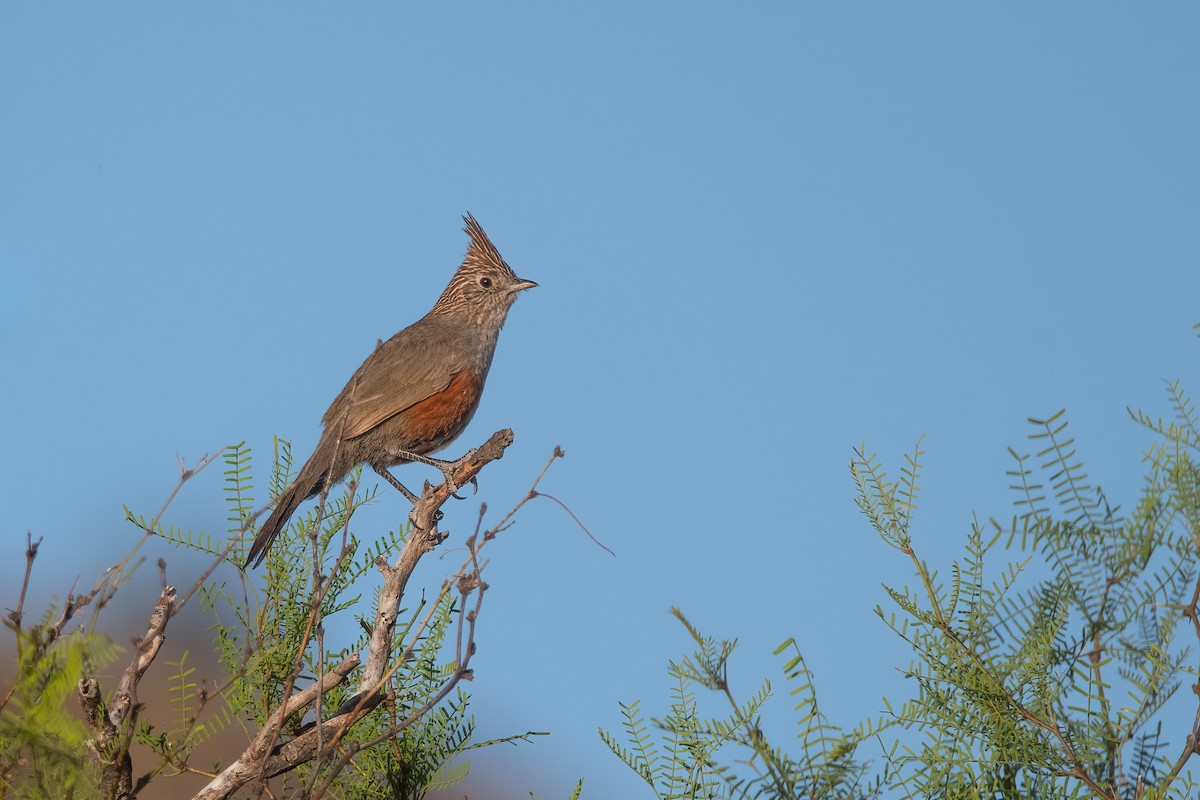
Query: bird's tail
{"x": 307, "y": 483}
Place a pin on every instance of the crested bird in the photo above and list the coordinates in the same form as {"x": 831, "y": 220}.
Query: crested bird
{"x": 416, "y": 392}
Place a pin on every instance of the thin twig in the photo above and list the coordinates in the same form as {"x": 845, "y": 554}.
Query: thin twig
{"x": 31, "y": 551}
{"x": 577, "y": 521}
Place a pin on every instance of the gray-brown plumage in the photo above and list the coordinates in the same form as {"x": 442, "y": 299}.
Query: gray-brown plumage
{"x": 417, "y": 391}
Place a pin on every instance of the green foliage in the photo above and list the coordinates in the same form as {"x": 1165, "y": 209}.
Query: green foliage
{"x": 1047, "y": 680}
{"x": 1046, "y": 658}
{"x": 42, "y": 743}
{"x": 187, "y": 731}
{"x": 1017, "y": 675}
{"x": 687, "y": 761}
{"x": 576, "y": 793}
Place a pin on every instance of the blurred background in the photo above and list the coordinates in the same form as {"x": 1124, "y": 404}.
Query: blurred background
{"x": 764, "y": 235}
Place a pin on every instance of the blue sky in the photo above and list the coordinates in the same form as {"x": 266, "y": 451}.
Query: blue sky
{"x": 763, "y": 236}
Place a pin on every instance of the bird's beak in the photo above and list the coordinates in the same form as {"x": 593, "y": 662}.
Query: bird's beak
{"x": 521, "y": 285}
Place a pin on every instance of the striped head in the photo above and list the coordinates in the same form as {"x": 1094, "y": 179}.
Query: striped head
{"x": 484, "y": 287}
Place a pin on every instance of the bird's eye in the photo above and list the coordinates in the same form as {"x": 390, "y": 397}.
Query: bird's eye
{"x": 485, "y": 283}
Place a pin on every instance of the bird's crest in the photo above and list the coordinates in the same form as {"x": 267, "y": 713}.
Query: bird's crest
{"x": 481, "y": 251}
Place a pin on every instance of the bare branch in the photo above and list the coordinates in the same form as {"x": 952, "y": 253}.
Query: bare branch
{"x": 266, "y": 756}
{"x": 424, "y": 538}
{"x": 262, "y": 758}
{"x": 31, "y": 551}
{"x": 113, "y": 724}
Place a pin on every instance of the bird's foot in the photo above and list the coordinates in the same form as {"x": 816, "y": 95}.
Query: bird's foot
{"x": 454, "y": 487}
{"x": 447, "y": 468}
{"x": 438, "y": 516}
{"x": 474, "y": 486}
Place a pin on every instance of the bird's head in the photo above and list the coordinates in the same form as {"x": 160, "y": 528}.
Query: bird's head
{"x": 484, "y": 287}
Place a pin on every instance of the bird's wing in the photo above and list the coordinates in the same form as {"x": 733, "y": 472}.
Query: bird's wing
{"x": 400, "y": 373}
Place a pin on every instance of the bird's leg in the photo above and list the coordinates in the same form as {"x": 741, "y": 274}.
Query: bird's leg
{"x": 390, "y": 478}
{"x": 412, "y": 498}
{"x": 447, "y": 468}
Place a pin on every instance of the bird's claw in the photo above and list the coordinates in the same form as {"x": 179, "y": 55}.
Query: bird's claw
{"x": 474, "y": 486}
{"x": 438, "y": 516}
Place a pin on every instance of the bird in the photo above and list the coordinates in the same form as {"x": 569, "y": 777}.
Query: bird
{"x": 416, "y": 392}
